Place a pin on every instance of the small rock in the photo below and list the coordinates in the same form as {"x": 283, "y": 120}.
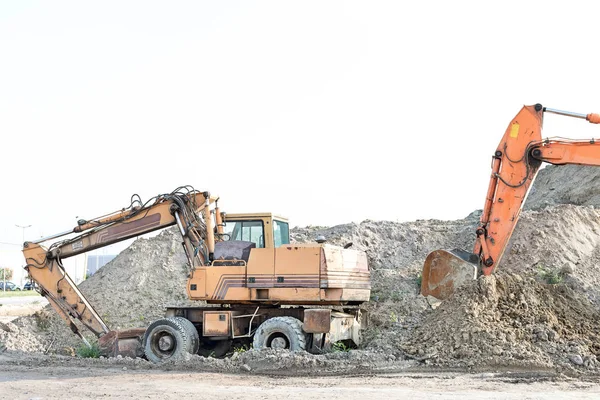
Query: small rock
{"x": 542, "y": 336}
{"x": 576, "y": 359}
{"x": 246, "y": 368}
{"x": 124, "y": 368}
{"x": 568, "y": 268}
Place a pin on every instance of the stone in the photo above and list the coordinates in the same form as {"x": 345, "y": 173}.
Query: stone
{"x": 576, "y": 359}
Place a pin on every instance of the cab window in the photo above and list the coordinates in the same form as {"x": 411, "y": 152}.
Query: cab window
{"x": 281, "y": 233}
{"x": 249, "y": 231}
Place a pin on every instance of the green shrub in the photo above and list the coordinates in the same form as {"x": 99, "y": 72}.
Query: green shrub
{"x": 84, "y": 351}
{"x": 241, "y": 349}
{"x": 549, "y": 276}
{"x": 340, "y": 346}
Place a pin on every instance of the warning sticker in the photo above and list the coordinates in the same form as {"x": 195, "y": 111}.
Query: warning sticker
{"x": 514, "y": 130}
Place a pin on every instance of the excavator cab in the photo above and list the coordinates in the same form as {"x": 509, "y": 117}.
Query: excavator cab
{"x": 264, "y": 229}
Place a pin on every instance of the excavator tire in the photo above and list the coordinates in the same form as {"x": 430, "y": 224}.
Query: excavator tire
{"x": 193, "y": 333}
{"x": 280, "y": 333}
{"x": 170, "y": 339}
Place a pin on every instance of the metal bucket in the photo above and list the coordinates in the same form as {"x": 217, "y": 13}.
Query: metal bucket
{"x": 126, "y": 343}
{"x": 446, "y": 270}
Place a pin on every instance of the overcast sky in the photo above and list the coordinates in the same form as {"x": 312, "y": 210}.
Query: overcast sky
{"x": 326, "y": 111}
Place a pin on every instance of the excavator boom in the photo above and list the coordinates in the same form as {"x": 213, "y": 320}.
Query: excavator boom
{"x": 44, "y": 265}
{"x": 515, "y": 165}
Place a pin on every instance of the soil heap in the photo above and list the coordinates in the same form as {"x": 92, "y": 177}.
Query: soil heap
{"x": 509, "y": 320}
{"x": 565, "y": 184}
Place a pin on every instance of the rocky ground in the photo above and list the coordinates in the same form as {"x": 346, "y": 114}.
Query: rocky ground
{"x": 124, "y": 379}
{"x": 540, "y": 311}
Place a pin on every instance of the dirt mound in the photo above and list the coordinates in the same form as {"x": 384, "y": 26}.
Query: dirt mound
{"x": 506, "y": 319}
{"x": 565, "y": 184}
{"x": 560, "y": 244}
{"x": 21, "y": 336}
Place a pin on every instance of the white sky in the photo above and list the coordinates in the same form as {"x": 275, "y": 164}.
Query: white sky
{"x": 324, "y": 111}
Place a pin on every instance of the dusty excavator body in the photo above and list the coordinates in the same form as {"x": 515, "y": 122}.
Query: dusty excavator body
{"x": 445, "y": 270}
{"x": 256, "y": 286}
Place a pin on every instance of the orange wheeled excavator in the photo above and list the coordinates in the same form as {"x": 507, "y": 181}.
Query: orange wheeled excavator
{"x": 515, "y": 165}
{"x": 256, "y": 286}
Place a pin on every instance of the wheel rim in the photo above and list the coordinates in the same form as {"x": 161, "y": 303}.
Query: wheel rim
{"x": 163, "y": 344}
{"x": 278, "y": 341}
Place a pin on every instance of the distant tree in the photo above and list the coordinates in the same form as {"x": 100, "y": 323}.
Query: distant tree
{"x": 6, "y": 273}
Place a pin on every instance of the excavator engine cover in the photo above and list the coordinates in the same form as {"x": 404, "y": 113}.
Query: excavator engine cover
{"x": 446, "y": 270}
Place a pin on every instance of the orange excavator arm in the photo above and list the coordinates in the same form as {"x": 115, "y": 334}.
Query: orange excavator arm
{"x": 515, "y": 165}
{"x": 182, "y": 207}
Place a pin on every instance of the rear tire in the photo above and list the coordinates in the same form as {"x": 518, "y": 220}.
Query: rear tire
{"x": 170, "y": 339}
{"x": 280, "y": 333}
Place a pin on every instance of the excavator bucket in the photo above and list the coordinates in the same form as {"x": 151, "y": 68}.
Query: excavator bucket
{"x": 126, "y": 343}
{"x": 446, "y": 270}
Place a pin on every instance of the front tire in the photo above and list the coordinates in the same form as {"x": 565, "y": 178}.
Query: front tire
{"x": 280, "y": 333}
{"x": 170, "y": 339}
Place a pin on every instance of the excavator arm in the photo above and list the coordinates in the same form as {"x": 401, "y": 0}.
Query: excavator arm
{"x": 185, "y": 207}
{"x": 515, "y": 165}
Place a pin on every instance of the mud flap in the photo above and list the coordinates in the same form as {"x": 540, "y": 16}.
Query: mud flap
{"x": 126, "y": 343}
{"x": 446, "y": 270}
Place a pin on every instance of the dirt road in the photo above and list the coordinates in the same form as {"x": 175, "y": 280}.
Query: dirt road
{"x": 22, "y": 382}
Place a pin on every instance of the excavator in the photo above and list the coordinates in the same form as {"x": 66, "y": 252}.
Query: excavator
{"x": 515, "y": 165}
{"x": 251, "y": 283}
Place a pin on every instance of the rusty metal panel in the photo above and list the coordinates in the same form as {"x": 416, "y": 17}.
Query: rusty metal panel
{"x": 195, "y": 315}
{"x": 317, "y": 321}
{"x": 344, "y": 268}
{"x": 126, "y": 343}
{"x": 216, "y": 323}
{"x": 344, "y": 327}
